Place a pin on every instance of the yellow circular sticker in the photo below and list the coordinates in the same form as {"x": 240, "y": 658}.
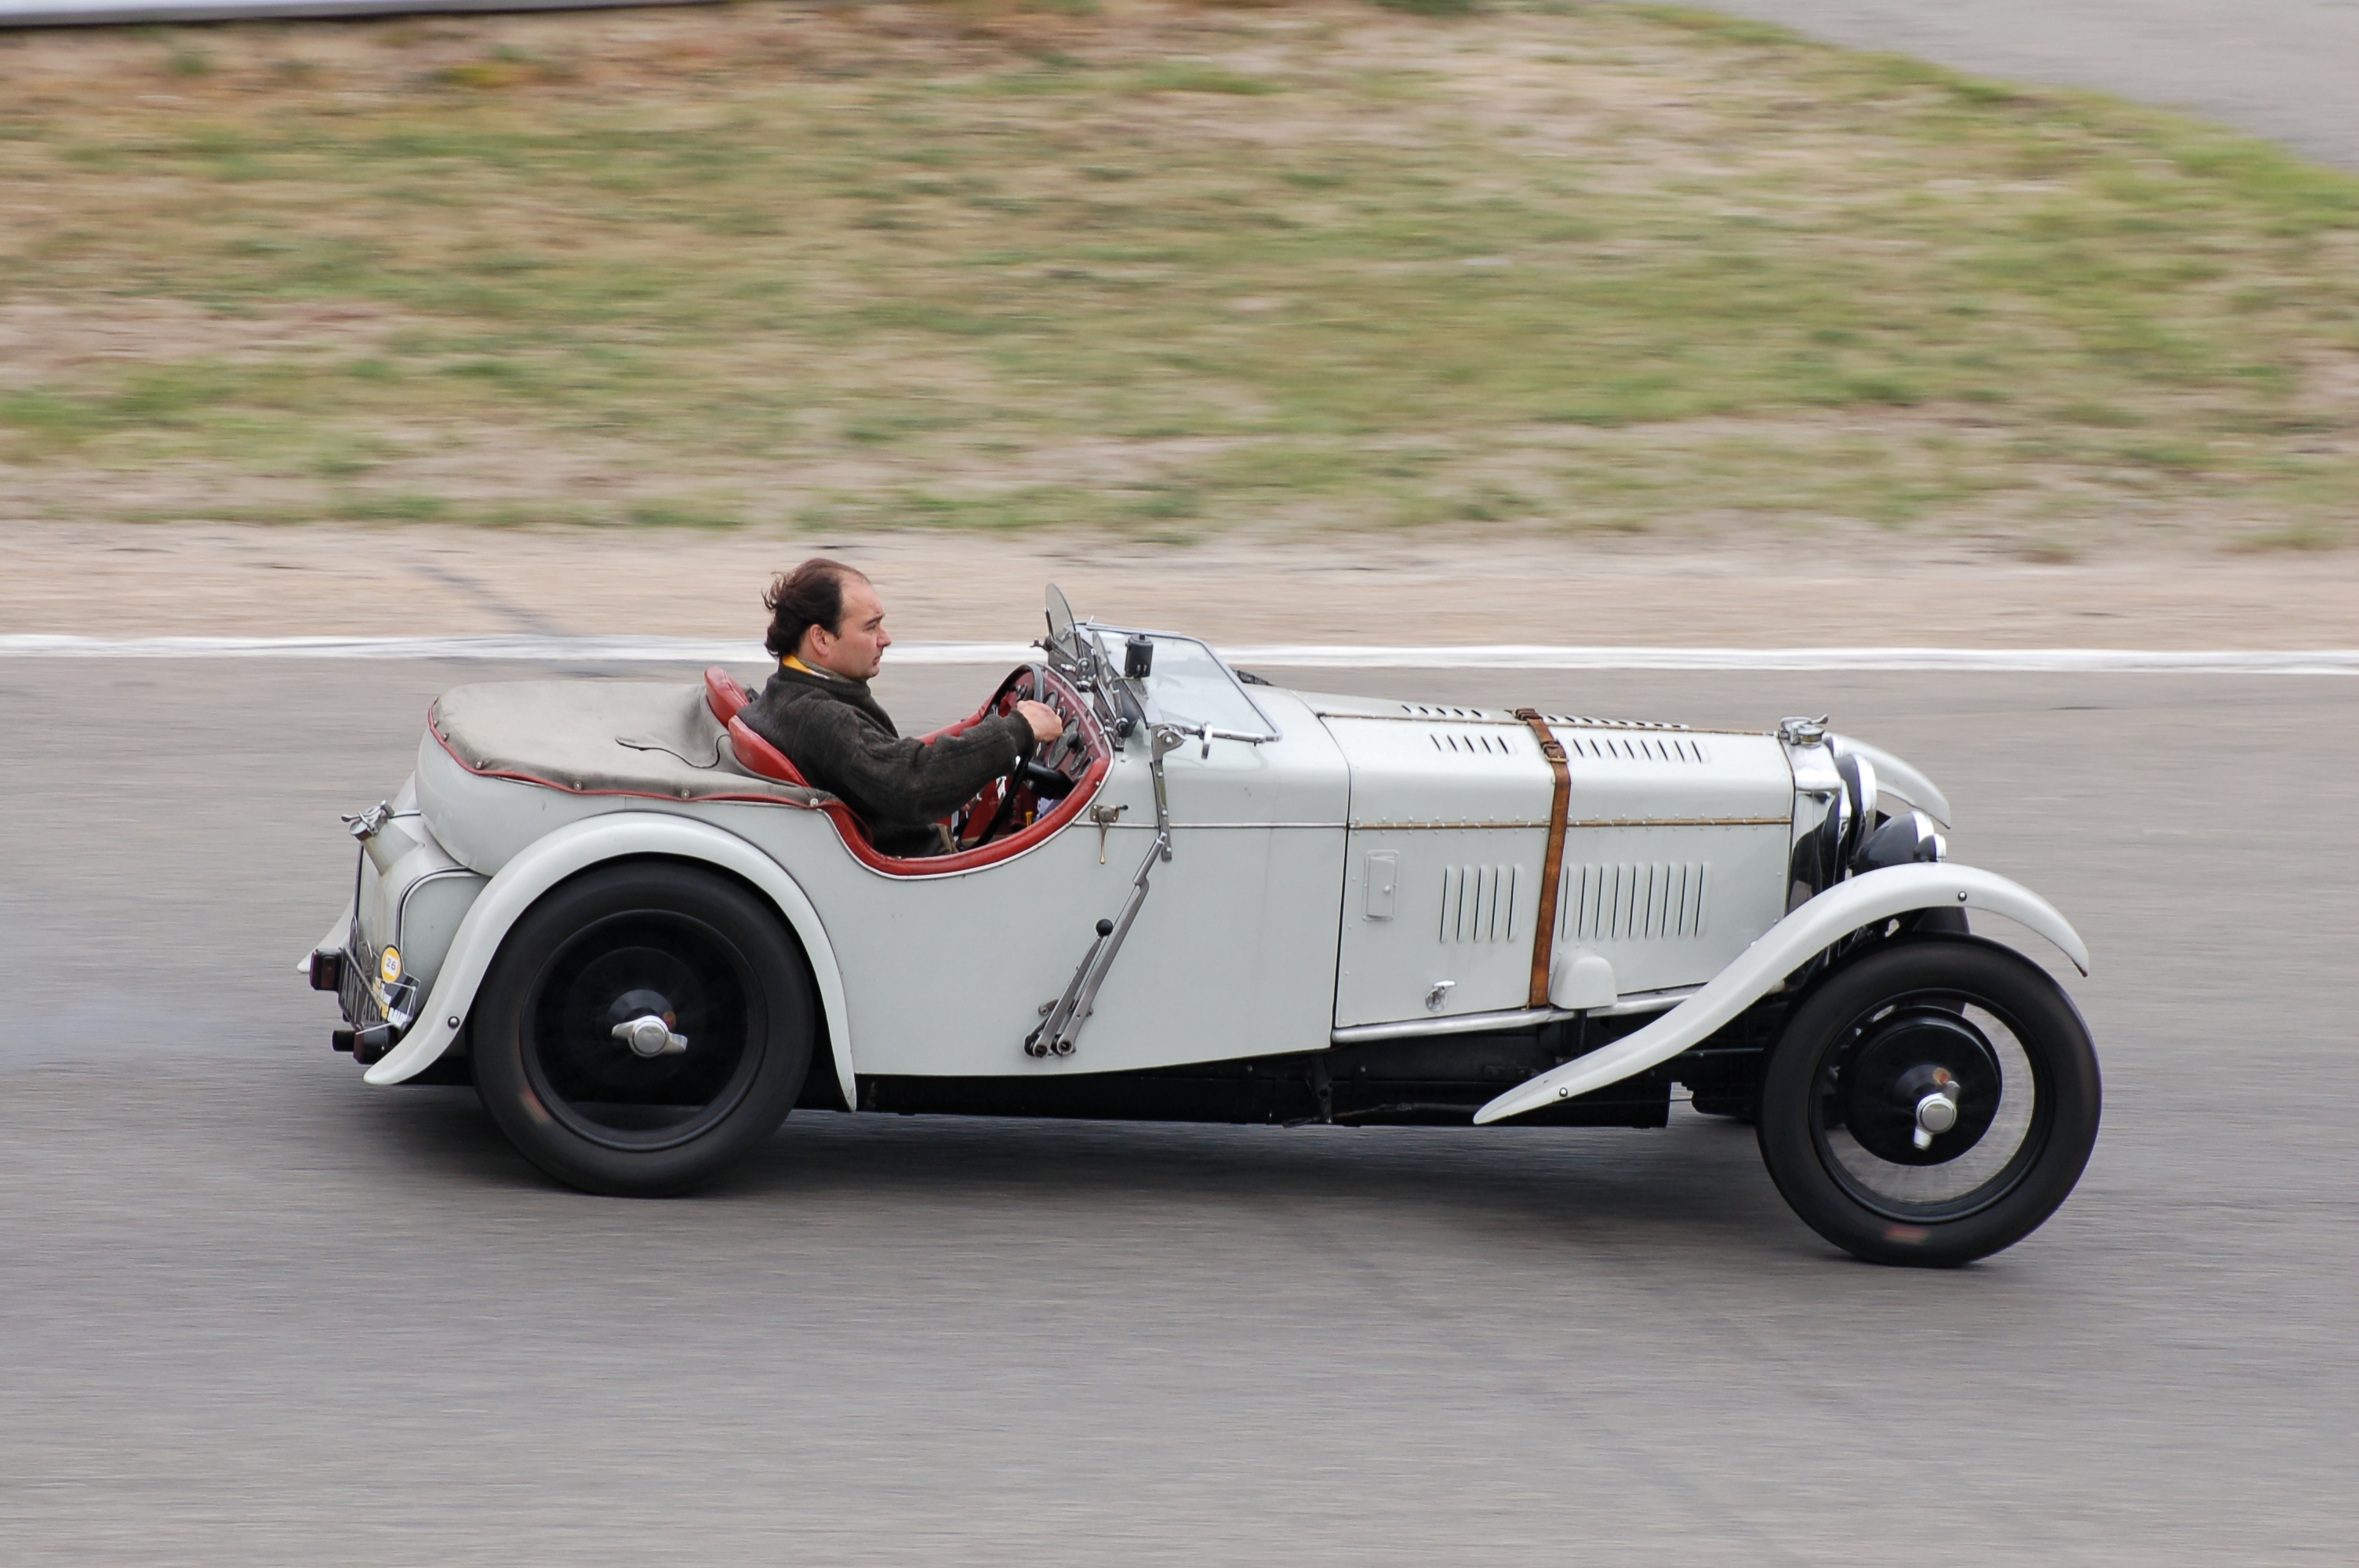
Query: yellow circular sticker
{"x": 388, "y": 967}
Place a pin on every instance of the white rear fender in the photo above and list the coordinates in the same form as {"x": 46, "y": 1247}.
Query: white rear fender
{"x": 1778, "y": 951}
{"x": 577, "y": 847}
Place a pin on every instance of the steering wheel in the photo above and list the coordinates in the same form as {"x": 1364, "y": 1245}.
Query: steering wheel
{"x": 1026, "y": 685}
{"x": 1041, "y": 776}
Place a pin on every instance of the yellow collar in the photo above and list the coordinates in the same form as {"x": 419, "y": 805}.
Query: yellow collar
{"x": 792, "y": 663}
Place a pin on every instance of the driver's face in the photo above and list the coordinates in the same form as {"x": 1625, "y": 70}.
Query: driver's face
{"x": 855, "y": 649}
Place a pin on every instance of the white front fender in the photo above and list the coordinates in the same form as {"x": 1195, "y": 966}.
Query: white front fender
{"x": 576, "y": 847}
{"x": 1778, "y": 951}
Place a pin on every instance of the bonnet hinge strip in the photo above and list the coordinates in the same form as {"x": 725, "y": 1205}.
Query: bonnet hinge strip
{"x": 1552, "y": 863}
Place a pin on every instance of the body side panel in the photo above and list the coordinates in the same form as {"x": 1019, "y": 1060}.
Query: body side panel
{"x": 1667, "y": 906}
{"x": 1233, "y": 953}
{"x": 1442, "y": 881}
{"x": 1674, "y": 858}
{"x": 1675, "y": 851}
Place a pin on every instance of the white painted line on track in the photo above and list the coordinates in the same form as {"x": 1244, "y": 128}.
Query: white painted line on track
{"x": 544, "y": 650}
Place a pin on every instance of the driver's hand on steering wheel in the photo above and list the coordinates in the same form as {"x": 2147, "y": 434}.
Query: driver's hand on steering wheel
{"x": 1046, "y": 725}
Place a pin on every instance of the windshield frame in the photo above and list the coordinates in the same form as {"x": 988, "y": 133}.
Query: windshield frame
{"x": 1098, "y": 668}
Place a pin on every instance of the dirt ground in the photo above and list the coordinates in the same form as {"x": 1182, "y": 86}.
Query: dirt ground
{"x": 1866, "y": 589}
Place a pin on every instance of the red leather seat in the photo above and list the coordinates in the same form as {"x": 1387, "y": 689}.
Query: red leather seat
{"x": 759, "y": 756}
{"x": 723, "y": 695}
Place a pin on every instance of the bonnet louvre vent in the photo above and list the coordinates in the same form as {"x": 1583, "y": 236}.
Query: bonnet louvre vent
{"x": 1434, "y": 710}
{"x": 1472, "y": 742}
{"x": 1608, "y": 723}
{"x": 1478, "y": 904}
{"x": 1637, "y": 748}
{"x": 1635, "y": 902}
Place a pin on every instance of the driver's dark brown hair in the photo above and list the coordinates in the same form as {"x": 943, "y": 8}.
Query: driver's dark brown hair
{"x": 811, "y": 595}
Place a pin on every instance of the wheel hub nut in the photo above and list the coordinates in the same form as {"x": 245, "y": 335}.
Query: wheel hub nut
{"x": 650, "y": 1036}
{"x": 1937, "y": 1111}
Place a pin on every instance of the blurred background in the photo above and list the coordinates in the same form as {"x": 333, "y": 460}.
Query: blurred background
{"x": 1607, "y": 282}
{"x": 1516, "y": 321}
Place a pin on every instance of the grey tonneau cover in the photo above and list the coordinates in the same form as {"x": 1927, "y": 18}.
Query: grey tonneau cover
{"x": 596, "y": 736}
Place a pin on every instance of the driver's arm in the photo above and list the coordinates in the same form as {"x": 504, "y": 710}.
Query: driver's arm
{"x": 902, "y": 780}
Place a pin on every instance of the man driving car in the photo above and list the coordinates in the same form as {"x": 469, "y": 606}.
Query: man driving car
{"x": 827, "y": 631}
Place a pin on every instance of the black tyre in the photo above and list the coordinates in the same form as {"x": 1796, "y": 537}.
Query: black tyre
{"x": 1851, "y": 1128}
{"x": 569, "y": 1063}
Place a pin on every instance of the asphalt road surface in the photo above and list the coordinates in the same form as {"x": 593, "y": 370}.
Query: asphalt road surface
{"x": 257, "y": 1313}
{"x": 2285, "y": 69}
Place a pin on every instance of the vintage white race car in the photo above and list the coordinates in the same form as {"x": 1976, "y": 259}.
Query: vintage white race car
{"x": 626, "y": 919}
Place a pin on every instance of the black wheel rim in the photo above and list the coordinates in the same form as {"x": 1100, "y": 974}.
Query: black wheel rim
{"x": 1966, "y": 1169}
{"x": 626, "y": 967}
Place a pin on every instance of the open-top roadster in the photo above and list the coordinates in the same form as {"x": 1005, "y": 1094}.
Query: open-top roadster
{"x": 630, "y": 923}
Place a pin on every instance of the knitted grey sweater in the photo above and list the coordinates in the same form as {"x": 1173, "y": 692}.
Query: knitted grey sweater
{"x": 833, "y": 730}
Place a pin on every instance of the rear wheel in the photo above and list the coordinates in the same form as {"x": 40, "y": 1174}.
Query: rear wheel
{"x": 645, "y": 1025}
{"x": 1930, "y": 1104}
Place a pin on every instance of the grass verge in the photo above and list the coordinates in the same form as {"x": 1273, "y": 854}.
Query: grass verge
{"x": 1152, "y": 268}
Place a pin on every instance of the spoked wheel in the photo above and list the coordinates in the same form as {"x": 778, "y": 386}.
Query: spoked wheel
{"x": 645, "y": 1025}
{"x": 1930, "y": 1104}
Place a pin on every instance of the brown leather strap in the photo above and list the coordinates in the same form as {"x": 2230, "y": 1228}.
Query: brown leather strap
{"x": 1553, "y": 866}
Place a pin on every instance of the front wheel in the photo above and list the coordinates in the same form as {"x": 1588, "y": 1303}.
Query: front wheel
{"x": 1930, "y": 1104}
{"x": 646, "y": 1025}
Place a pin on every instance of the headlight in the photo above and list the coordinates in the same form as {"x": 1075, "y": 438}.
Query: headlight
{"x": 1859, "y": 784}
{"x": 1902, "y": 842}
